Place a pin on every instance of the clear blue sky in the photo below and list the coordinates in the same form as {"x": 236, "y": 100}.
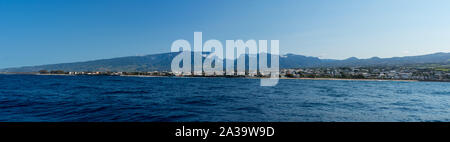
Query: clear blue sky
{"x": 34, "y": 32}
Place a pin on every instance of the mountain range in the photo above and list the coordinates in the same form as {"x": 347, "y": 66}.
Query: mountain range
{"x": 162, "y": 62}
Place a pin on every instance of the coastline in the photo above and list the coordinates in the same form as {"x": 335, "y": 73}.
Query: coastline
{"x": 138, "y": 76}
{"x": 348, "y": 79}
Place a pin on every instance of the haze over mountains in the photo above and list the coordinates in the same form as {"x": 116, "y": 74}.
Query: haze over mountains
{"x": 162, "y": 62}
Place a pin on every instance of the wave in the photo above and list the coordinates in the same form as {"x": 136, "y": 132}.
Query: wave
{"x": 125, "y": 92}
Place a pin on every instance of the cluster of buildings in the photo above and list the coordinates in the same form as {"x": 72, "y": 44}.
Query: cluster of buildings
{"x": 154, "y": 73}
{"x": 403, "y": 73}
{"x": 393, "y": 73}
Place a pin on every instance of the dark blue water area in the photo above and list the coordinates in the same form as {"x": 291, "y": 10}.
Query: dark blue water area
{"x": 173, "y": 99}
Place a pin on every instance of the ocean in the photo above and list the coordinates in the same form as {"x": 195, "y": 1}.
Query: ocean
{"x": 52, "y": 98}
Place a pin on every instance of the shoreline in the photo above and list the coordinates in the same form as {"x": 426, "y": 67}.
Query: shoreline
{"x": 348, "y": 79}
{"x": 137, "y": 76}
{"x": 351, "y": 79}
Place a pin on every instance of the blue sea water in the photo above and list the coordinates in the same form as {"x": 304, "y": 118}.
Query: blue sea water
{"x": 115, "y": 98}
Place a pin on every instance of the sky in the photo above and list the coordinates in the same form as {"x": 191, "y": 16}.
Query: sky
{"x": 36, "y": 32}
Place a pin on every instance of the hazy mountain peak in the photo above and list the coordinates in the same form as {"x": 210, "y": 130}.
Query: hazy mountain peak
{"x": 352, "y": 58}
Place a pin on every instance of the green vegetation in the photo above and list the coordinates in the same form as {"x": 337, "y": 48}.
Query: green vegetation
{"x": 445, "y": 70}
{"x": 43, "y": 72}
{"x": 57, "y": 72}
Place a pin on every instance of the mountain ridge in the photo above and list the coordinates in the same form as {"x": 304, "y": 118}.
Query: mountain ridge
{"x": 162, "y": 62}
